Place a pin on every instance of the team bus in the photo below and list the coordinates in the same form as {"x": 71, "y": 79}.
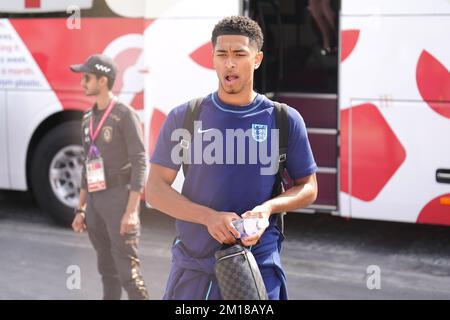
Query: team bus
{"x": 369, "y": 77}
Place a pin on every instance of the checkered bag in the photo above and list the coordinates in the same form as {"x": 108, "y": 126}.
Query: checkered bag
{"x": 238, "y": 274}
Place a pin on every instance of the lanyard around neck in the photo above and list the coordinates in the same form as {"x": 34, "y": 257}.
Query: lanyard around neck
{"x": 93, "y": 134}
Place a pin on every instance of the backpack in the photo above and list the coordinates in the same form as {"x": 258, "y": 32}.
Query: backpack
{"x": 282, "y": 123}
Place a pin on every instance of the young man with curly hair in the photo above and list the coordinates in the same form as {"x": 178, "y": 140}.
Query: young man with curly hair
{"x": 231, "y": 186}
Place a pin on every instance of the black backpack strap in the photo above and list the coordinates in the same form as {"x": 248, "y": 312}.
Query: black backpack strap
{"x": 282, "y": 124}
{"x": 192, "y": 113}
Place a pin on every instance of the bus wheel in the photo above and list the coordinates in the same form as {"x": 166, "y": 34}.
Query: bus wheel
{"x": 56, "y": 171}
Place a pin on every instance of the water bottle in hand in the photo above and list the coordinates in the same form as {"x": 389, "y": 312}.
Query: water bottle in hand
{"x": 250, "y": 226}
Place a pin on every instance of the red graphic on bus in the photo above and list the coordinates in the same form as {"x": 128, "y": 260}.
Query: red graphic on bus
{"x": 32, "y": 4}
{"x": 94, "y": 36}
{"x": 203, "y": 55}
{"x": 349, "y": 40}
{"x": 156, "y": 124}
{"x": 433, "y": 82}
{"x": 437, "y": 211}
{"x": 376, "y": 152}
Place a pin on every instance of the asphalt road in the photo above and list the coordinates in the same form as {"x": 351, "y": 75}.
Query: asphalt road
{"x": 324, "y": 257}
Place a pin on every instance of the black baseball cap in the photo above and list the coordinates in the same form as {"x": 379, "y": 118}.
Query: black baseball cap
{"x": 99, "y": 64}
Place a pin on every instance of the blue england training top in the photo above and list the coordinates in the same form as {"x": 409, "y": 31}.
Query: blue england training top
{"x": 230, "y": 170}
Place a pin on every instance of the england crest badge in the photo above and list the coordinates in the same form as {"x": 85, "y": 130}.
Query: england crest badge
{"x": 259, "y": 132}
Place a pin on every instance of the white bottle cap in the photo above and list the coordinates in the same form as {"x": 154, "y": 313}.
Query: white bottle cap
{"x": 263, "y": 223}
{"x": 251, "y": 226}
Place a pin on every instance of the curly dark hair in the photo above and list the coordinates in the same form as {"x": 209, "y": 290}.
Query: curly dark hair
{"x": 239, "y": 25}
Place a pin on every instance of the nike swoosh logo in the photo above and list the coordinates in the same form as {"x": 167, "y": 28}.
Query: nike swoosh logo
{"x": 203, "y": 131}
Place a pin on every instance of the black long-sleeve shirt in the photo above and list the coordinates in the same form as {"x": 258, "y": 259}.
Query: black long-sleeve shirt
{"x": 120, "y": 142}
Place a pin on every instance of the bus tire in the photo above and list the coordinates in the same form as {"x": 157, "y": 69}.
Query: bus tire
{"x": 56, "y": 171}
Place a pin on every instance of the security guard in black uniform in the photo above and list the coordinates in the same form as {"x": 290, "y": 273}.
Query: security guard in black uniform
{"x": 112, "y": 181}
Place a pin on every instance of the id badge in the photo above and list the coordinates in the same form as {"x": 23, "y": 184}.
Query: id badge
{"x": 95, "y": 174}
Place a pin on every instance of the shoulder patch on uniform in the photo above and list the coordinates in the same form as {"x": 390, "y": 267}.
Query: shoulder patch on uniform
{"x": 119, "y": 111}
{"x": 115, "y": 117}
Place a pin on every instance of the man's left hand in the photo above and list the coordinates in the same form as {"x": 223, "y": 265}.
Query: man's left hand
{"x": 129, "y": 223}
{"x": 261, "y": 211}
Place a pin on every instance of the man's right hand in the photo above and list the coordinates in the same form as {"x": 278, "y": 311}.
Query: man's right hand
{"x": 220, "y": 225}
{"x": 78, "y": 224}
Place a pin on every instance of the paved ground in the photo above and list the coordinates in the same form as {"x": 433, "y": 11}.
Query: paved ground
{"x": 324, "y": 257}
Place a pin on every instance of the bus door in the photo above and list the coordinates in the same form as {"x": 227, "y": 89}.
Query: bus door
{"x": 300, "y": 68}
